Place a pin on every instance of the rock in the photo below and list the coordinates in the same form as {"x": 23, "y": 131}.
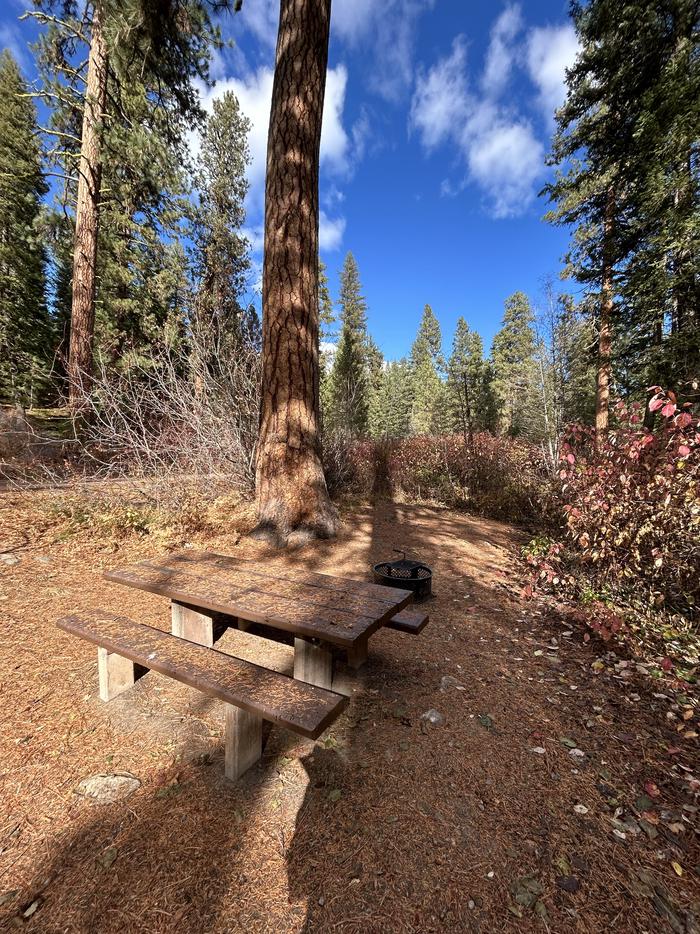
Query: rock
{"x": 449, "y": 682}
{"x": 433, "y": 716}
{"x": 539, "y": 750}
{"x": 108, "y": 788}
{"x": 8, "y": 558}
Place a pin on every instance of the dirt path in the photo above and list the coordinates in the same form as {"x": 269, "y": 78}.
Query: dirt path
{"x": 489, "y": 820}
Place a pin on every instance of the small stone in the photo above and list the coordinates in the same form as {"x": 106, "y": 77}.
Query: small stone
{"x": 32, "y": 909}
{"x": 449, "y": 682}
{"x": 539, "y": 750}
{"x": 580, "y": 809}
{"x": 322, "y": 901}
{"x": 471, "y": 905}
{"x": 433, "y": 716}
{"x": 577, "y": 753}
{"x": 9, "y": 559}
{"x": 108, "y": 788}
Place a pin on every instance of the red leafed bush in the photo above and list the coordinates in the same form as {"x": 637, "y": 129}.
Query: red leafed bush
{"x": 633, "y": 505}
{"x": 497, "y": 477}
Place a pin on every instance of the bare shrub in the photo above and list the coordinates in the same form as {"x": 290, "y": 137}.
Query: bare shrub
{"x": 180, "y": 422}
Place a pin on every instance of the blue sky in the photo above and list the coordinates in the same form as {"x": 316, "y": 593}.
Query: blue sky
{"x": 438, "y": 116}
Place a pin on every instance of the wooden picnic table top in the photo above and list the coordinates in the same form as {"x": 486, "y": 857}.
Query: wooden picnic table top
{"x": 338, "y": 610}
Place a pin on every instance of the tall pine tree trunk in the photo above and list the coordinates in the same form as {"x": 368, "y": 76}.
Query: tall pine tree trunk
{"x": 291, "y": 492}
{"x": 602, "y": 393}
{"x": 87, "y": 217}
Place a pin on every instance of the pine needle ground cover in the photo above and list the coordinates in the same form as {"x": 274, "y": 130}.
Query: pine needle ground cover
{"x": 495, "y": 773}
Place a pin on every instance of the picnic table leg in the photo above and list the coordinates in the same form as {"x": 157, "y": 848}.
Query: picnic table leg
{"x": 357, "y": 655}
{"x": 313, "y": 663}
{"x": 116, "y": 673}
{"x": 195, "y": 625}
{"x": 243, "y": 741}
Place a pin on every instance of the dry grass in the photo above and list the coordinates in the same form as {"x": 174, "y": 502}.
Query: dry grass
{"x": 432, "y": 826}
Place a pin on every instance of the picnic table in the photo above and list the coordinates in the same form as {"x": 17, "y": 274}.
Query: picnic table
{"x": 210, "y": 592}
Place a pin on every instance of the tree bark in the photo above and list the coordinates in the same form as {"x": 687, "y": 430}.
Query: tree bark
{"x": 291, "y": 493}
{"x": 87, "y": 217}
{"x": 602, "y": 394}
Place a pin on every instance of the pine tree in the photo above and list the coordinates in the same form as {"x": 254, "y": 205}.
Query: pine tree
{"x": 326, "y": 312}
{"x": 427, "y": 363}
{"x": 291, "y": 493}
{"x": 392, "y": 402}
{"x": 514, "y": 369}
{"x": 350, "y": 380}
{"x": 26, "y": 332}
{"x": 222, "y": 252}
{"x": 119, "y": 79}
{"x": 467, "y": 383}
{"x": 626, "y": 133}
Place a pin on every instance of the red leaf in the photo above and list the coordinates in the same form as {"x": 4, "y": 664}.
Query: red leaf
{"x": 683, "y": 450}
{"x": 669, "y": 409}
{"x": 667, "y": 664}
{"x": 655, "y": 404}
{"x": 684, "y": 419}
{"x": 571, "y": 459}
{"x": 652, "y": 789}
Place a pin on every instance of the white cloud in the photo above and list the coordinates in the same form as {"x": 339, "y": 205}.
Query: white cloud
{"x": 261, "y": 17}
{"x": 550, "y": 51}
{"x": 441, "y": 101}
{"x": 501, "y": 52}
{"x": 387, "y": 30}
{"x": 330, "y": 232}
{"x": 499, "y": 150}
{"x": 12, "y": 39}
{"x": 506, "y": 159}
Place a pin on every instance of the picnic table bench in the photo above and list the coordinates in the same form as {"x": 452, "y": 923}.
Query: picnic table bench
{"x": 208, "y": 593}
{"x": 127, "y": 650}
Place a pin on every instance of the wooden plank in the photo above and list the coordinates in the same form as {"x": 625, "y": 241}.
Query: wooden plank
{"x": 391, "y": 596}
{"x": 335, "y": 626}
{"x": 313, "y": 663}
{"x": 116, "y": 674}
{"x": 294, "y": 705}
{"x": 411, "y": 621}
{"x": 191, "y": 624}
{"x": 272, "y": 581}
{"x": 243, "y": 743}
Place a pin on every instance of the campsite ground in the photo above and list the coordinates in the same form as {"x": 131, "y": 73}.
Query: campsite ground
{"x": 486, "y": 821}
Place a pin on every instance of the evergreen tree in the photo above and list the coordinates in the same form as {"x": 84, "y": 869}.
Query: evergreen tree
{"x": 467, "y": 382}
{"x": 514, "y": 369}
{"x": 392, "y": 402}
{"x": 26, "y": 332}
{"x": 573, "y": 362}
{"x": 326, "y": 312}
{"x": 427, "y": 363}
{"x": 350, "y": 389}
{"x": 222, "y": 258}
{"x": 119, "y": 79}
{"x": 626, "y": 134}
